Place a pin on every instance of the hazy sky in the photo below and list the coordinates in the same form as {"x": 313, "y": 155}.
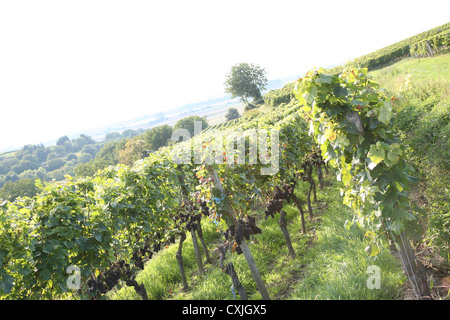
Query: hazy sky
{"x": 67, "y": 66}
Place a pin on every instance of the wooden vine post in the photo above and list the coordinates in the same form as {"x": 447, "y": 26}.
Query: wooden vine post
{"x": 197, "y": 251}
{"x": 351, "y": 121}
{"x": 230, "y": 220}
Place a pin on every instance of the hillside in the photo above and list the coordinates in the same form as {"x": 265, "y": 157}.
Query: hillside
{"x": 428, "y": 43}
{"x": 351, "y": 202}
{"x": 423, "y": 123}
{"x": 331, "y": 261}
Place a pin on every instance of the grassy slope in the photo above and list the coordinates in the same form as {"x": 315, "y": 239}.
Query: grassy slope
{"x": 423, "y": 121}
{"x": 423, "y": 124}
{"x": 422, "y": 70}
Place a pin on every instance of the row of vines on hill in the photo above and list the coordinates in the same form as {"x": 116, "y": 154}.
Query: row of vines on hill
{"x": 431, "y": 46}
{"x": 108, "y": 225}
{"x": 431, "y": 42}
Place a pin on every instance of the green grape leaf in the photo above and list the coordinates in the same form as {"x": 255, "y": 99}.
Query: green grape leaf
{"x": 324, "y": 78}
{"x": 385, "y": 114}
{"x": 45, "y": 275}
{"x": 394, "y": 154}
{"x": 376, "y": 153}
{"x": 6, "y": 283}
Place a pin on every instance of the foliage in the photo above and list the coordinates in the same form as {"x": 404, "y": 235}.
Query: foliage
{"x": 422, "y": 123}
{"x": 158, "y": 137}
{"x": 274, "y": 98}
{"x": 436, "y": 44}
{"x": 134, "y": 150}
{"x": 246, "y": 81}
{"x": 24, "y": 187}
{"x": 62, "y": 140}
{"x": 351, "y": 119}
{"x": 55, "y": 164}
{"x": 188, "y": 124}
{"x": 250, "y": 106}
{"x": 85, "y": 223}
{"x": 35, "y": 161}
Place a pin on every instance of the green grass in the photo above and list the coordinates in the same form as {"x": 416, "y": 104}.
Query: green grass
{"x": 428, "y": 75}
{"x": 423, "y": 119}
{"x": 423, "y": 125}
{"x": 330, "y": 262}
{"x": 336, "y": 267}
{"x": 425, "y": 68}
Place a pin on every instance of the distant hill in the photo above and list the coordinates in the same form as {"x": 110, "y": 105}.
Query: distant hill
{"x": 427, "y": 43}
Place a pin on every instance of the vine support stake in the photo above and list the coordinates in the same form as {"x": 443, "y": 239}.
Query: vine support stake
{"x": 413, "y": 267}
{"x": 231, "y": 219}
{"x": 254, "y": 269}
{"x": 197, "y": 252}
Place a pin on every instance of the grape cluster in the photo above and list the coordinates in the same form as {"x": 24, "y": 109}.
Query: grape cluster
{"x": 306, "y": 172}
{"x": 204, "y": 208}
{"x": 107, "y": 280}
{"x": 243, "y": 228}
{"x": 139, "y": 255}
{"x": 191, "y": 220}
{"x": 276, "y": 203}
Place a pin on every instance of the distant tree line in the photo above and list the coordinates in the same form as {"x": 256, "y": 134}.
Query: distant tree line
{"x": 80, "y": 157}
{"x": 129, "y": 150}
{"x": 19, "y": 170}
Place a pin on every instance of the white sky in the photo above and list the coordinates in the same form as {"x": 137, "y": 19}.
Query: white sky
{"x": 67, "y": 66}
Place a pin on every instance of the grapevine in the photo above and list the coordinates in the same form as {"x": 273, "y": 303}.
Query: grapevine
{"x": 110, "y": 224}
{"x": 351, "y": 120}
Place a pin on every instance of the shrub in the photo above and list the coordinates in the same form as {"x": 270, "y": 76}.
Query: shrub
{"x": 55, "y": 164}
{"x": 85, "y": 157}
{"x": 276, "y": 97}
{"x": 250, "y": 106}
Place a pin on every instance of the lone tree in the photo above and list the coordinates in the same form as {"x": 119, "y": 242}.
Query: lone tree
{"x": 231, "y": 114}
{"x": 246, "y": 81}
